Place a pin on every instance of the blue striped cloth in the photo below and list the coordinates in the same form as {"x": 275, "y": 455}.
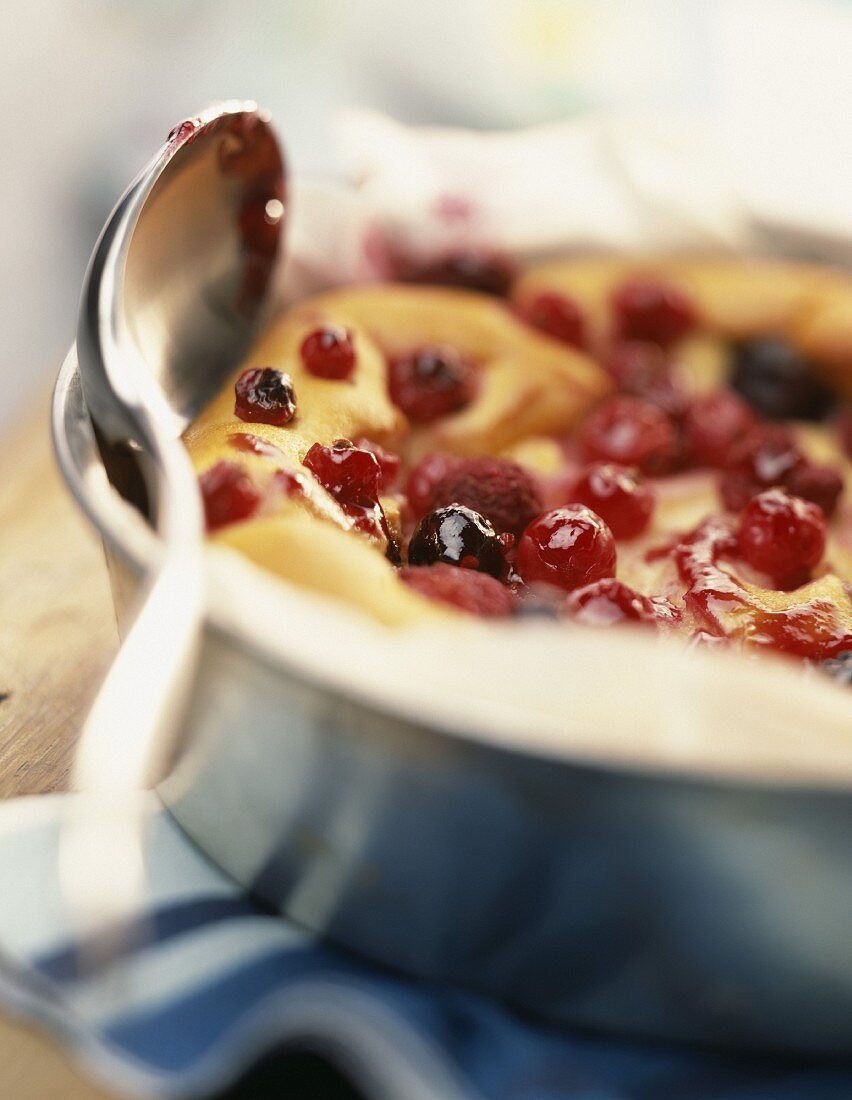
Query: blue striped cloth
{"x": 211, "y": 981}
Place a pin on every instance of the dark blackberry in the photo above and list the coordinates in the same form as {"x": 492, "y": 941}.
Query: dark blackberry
{"x": 777, "y": 381}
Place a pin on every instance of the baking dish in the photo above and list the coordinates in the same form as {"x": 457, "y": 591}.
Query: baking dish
{"x": 690, "y": 886}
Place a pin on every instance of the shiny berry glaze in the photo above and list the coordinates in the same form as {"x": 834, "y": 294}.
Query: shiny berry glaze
{"x": 457, "y": 536}
{"x": 812, "y": 630}
{"x": 499, "y": 489}
{"x": 422, "y": 479}
{"x": 713, "y": 425}
{"x": 618, "y": 495}
{"x": 329, "y": 352}
{"x": 766, "y": 458}
{"x": 389, "y": 463}
{"x": 782, "y": 536}
{"x": 265, "y": 396}
{"x": 557, "y": 316}
{"x": 465, "y": 589}
{"x": 608, "y": 601}
{"x": 646, "y": 309}
{"x": 630, "y": 432}
{"x": 228, "y": 495}
{"x": 777, "y": 382}
{"x": 568, "y": 547}
{"x": 430, "y": 383}
{"x": 818, "y": 483}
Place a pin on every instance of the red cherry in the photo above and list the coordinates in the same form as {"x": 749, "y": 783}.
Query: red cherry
{"x": 422, "y": 479}
{"x": 557, "y": 316}
{"x": 713, "y": 425}
{"x": 567, "y": 547}
{"x": 499, "y": 489}
{"x": 228, "y": 495}
{"x": 618, "y": 495}
{"x": 646, "y": 309}
{"x": 466, "y": 589}
{"x": 632, "y": 433}
{"x": 820, "y": 484}
{"x": 431, "y": 383}
{"x": 782, "y": 536}
{"x": 608, "y": 601}
{"x": 642, "y": 369}
{"x": 351, "y": 475}
{"x": 765, "y": 458}
{"x": 329, "y": 352}
{"x": 265, "y": 396}
{"x": 389, "y": 463}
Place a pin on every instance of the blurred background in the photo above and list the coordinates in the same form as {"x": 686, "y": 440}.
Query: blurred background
{"x": 93, "y": 86}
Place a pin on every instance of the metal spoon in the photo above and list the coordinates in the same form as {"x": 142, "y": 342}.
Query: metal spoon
{"x": 172, "y": 300}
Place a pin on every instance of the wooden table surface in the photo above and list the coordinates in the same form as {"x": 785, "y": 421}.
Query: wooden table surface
{"x": 57, "y": 635}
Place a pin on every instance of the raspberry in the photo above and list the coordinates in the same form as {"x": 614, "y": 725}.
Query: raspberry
{"x": 497, "y": 488}
{"x": 568, "y": 547}
{"x": 422, "y": 479}
{"x": 631, "y": 433}
{"x": 618, "y": 495}
{"x": 646, "y": 309}
{"x": 329, "y": 353}
{"x": 431, "y": 383}
{"x": 782, "y": 536}
{"x": 713, "y": 425}
{"x": 466, "y": 589}
{"x": 820, "y": 484}
{"x": 557, "y": 316}
{"x": 228, "y": 495}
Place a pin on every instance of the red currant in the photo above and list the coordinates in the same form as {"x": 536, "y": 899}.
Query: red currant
{"x": 557, "y": 316}
{"x": 632, "y": 433}
{"x": 618, "y": 495}
{"x": 228, "y": 495}
{"x": 713, "y": 425}
{"x": 647, "y": 309}
{"x": 567, "y": 547}
{"x": 329, "y": 352}
{"x": 765, "y": 458}
{"x": 431, "y": 383}
{"x": 782, "y": 536}
{"x": 608, "y": 601}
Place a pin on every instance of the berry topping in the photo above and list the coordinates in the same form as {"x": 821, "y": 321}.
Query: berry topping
{"x": 349, "y": 474}
{"x": 253, "y": 445}
{"x": 618, "y": 495}
{"x": 497, "y": 488}
{"x": 776, "y": 380}
{"x": 476, "y": 593}
{"x": 228, "y": 495}
{"x": 608, "y": 601}
{"x": 265, "y": 396}
{"x": 782, "y": 536}
{"x": 457, "y": 536}
{"x": 766, "y": 458}
{"x": 632, "y": 433}
{"x": 713, "y": 425}
{"x": 389, "y": 463}
{"x": 641, "y": 369}
{"x": 568, "y": 547}
{"x": 820, "y": 484}
{"x": 485, "y": 272}
{"x": 839, "y": 668}
{"x": 422, "y": 479}
{"x": 557, "y": 316}
{"x": 646, "y": 309}
{"x": 431, "y": 383}
{"x": 329, "y": 352}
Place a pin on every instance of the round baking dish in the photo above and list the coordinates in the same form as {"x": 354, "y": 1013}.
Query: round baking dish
{"x": 688, "y": 878}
